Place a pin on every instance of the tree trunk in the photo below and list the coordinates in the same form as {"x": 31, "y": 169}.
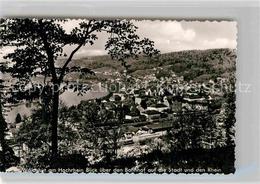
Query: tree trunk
{"x": 54, "y": 130}
{"x": 2, "y": 138}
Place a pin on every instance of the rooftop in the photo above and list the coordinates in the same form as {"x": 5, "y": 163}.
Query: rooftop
{"x": 158, "y": 105}
{"x": 151, "y": 112}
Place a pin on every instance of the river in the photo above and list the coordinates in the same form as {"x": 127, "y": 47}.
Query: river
{"x": 68, "y": 98}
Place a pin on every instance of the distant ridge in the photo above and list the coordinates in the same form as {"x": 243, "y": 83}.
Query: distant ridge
{"x": 198, "y": 65}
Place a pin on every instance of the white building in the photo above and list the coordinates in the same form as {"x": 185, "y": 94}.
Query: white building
{"x": 158, "y": 107}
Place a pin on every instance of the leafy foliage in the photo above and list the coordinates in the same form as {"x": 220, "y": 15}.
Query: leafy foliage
{"x": 39, "y": 43}
{"x": 7, "y": 157}
{"x": 192, "y": 130}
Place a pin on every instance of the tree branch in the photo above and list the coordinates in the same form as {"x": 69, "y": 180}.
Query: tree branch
{"x": 68, "y": 61}
{"x": 63, "y": 69}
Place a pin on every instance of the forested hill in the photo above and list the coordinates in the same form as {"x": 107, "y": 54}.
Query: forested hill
{"x": 198, "y": 65}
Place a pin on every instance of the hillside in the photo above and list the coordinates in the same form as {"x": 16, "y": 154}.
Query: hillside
{"x": 198, "y": 65}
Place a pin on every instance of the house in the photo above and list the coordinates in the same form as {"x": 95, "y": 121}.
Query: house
{"x": 139, "y": 92}
{"x": 194, "y": 98}
{"x": 166, "y": 102}
{"x": 152, "y": 115}
{"x": 138, "y": 100}
{"x": 131, "y": 117}
{"x": 158, "y": 107}
{"x": 161, "y": 92}
{"x": 193, "y": 106}
{"x": 117, "y": 97}
{"x": 148, "y": 92}
{"x": 133, "y": 114}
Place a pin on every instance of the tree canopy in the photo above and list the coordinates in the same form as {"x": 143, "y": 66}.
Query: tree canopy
{"x": 39, "y": 44}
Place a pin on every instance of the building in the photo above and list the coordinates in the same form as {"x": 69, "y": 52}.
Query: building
{"x": 152, "y": 115}
{"x": 158, "y": 107}
{"x": 133, "y": 114}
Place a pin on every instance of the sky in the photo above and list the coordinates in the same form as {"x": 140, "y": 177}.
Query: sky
{"x": 169, "y": 36}
{"x": 172, "y": 36}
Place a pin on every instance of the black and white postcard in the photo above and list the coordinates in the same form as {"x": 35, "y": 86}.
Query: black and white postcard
{"x": 117, "y": 96}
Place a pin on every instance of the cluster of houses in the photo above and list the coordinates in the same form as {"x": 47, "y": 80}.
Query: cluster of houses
{"x": 152, "y": 98}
